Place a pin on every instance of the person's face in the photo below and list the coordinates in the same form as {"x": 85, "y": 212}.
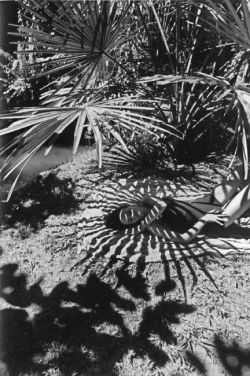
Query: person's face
{"x": 132, "y": 214}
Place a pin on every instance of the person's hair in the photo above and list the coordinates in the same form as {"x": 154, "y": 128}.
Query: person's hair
{"x": 112, "y": 220}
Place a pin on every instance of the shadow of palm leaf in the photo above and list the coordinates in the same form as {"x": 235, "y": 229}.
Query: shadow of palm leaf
{"x": 97, "y": 239}
{"x": 34, "y": 203}
{"x": 78, "y": 329}
{"x": 142, "y": 161}
{"x": 136, "y": 286}
{"x": 233, "y": 359}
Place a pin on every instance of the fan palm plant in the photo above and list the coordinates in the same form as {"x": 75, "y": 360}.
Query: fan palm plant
{"x": 94, "y": 54}
{"x": 219, "y": 95}
{"x": 43, "y": 124}
{"x": 193, "y": 98}
{"x": 86, "y": 44}
{"x": 231, "y": 19}
{"x": 81, "y": 39}
{"x": 189, "y": 48}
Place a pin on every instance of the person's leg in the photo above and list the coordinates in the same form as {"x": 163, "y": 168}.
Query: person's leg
{"x": 214, "y": 201}
{"x": 228, "y": 187}
{"x": 238, "y": 205}
{"x": 238, "y": 173}
{"x": 226, "y": 190}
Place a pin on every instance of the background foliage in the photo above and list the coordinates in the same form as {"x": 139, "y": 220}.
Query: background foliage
{"x": 178, "y": 70}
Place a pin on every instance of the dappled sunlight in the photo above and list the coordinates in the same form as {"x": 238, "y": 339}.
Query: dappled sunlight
{"x": 234, "y": 359}
{"x": 98, "y": 239}
{"x": 125, "y": 190}
{"x": 94, "y": 326}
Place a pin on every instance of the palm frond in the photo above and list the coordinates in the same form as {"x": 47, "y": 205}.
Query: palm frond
{"x": 198, "y": 96}
{"x": 219, "y": 96}
{"x": 42, "y": 125}
{"x": 81, "y": 38}
{"x": 200, "y": 77}
{"x": 232, "y": 22}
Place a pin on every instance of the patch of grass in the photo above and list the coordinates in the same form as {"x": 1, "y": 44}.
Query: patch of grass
{"x": 31, "y": 205}
{"x": 118, "y": 320}
{"x": 96, "y": 329}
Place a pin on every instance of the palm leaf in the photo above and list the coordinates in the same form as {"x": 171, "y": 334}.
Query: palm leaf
{"x": 212, "y": 100}
{"x": 78, "y": 131}
{"x": 41, "y": 125}
{"x": 89, "y": 34}
{"x": 233, "y": 24}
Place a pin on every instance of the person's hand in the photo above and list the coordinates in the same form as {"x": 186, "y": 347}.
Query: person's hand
{"x": 218, "y": 218}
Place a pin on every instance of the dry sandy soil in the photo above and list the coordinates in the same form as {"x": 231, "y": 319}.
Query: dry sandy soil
{"x": 153, "y": 319}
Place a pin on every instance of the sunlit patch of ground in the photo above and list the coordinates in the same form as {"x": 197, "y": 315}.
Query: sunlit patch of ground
{"x": 119, "y": 320}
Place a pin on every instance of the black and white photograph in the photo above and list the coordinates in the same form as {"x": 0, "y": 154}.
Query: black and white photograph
{"x": 124, "y": 188}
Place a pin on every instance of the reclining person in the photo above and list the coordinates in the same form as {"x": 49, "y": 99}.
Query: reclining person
{"x": 181, "y": 221}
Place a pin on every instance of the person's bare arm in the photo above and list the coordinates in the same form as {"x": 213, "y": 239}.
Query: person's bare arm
{"x": 156, "y": 206}
{"x": 165, "y": 233}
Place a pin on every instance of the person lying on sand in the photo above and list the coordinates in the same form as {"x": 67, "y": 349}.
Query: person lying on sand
{"x": 181, "y": 221}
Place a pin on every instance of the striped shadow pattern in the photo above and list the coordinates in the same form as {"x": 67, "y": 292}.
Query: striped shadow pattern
{"x": 136, "y": 164}
{"x": 95, "y": 239}
{"x": 138, "y": 161}
{"x": 131, "y": 160}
